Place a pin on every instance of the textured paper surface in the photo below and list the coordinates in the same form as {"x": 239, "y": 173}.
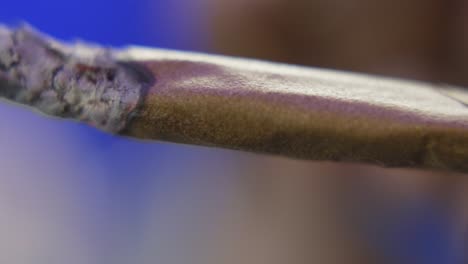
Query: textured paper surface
{"x": 300, "y": 112}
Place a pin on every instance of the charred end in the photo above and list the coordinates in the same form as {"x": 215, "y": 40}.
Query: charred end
{"x": 80, "y": 82}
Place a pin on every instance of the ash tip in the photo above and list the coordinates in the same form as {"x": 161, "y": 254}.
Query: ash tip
{"x": 21, "y": 42}
{"x": 22, "y": 31}
{"x": 82, "y": 82}
{"x": 6, "y": 46}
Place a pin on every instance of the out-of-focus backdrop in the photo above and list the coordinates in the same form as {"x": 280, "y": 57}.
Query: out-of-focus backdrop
{"x": 70, "y": 194}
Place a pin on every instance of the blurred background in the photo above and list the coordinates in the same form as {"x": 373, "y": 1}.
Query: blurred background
{"x": 71, "y": 194}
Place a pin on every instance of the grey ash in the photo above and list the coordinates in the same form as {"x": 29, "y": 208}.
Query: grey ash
{"x": 73, "y": 81}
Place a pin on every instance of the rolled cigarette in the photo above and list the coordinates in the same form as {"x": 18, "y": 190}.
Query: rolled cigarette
{"x": 240, "y": 104}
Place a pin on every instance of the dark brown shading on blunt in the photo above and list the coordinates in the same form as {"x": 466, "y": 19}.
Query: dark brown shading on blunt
{"x": 214, "y": 104}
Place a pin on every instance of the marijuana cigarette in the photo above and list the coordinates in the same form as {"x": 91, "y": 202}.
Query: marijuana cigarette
{"x": 240, "y": 104}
